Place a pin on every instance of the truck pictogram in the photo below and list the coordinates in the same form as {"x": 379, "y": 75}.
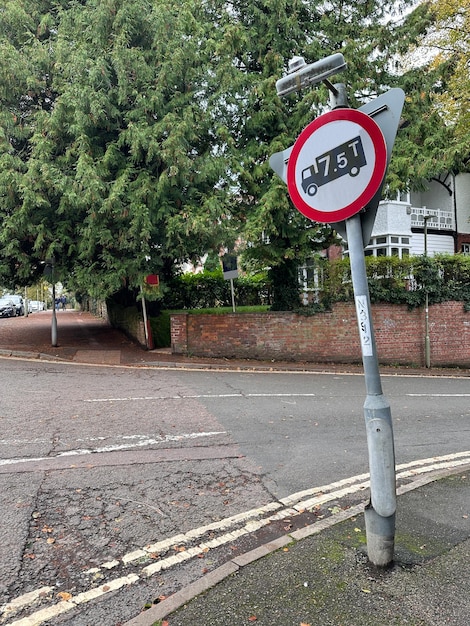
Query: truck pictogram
{"x": 348, "y": 158}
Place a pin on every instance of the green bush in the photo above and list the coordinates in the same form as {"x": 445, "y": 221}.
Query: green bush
{"x": 399, "y": 281}
{"x": 210, "y": 289}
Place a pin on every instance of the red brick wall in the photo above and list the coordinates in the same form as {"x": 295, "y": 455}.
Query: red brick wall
{"x": 328, "y": 337}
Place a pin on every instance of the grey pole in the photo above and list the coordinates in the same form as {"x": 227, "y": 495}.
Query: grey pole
{"x": 379, "y": 514}
{"x": 380, "y": 511}
{"x": 232, "y": 290}
{"x": 427, "y": 342}
{"x": 54, "y": 314}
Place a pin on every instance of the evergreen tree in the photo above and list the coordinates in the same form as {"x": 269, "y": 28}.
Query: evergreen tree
{"x": 109, "y": 150}
{"x": 136, "y": 134}
{"x": 264, "y": 36}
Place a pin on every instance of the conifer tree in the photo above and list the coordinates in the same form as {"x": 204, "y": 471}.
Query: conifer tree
{"x": 264, "y": 36}
{"x": 136, "y": 134}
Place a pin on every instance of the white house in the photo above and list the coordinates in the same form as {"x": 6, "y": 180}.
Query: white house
{"x": 437, "y": 219}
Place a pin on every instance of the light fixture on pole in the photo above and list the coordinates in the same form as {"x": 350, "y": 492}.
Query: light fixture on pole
{"x": 301, "y": 75}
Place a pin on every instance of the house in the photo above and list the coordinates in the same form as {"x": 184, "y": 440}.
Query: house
{"x": 436, "y": 220}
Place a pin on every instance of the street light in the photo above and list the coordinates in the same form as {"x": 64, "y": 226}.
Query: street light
{"x": 427, "y": 342}
{"x": 302, "y": 75}
{"x": 49, "y": 266}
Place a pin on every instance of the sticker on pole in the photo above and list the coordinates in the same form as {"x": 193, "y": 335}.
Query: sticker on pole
{"x": 336, "y": 165}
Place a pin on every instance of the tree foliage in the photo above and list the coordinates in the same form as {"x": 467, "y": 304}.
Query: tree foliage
{"x": 437, "y": 85}
{"x": 108, "y": 159}
{"x": 452, "y": 41}
{"x": 136, "y": 134}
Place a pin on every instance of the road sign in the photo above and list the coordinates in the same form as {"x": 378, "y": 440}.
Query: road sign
{"x": 336, "y": 165}
{"x": 386, "y": 112}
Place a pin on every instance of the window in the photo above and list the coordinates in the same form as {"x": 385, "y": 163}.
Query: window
{"x": 466, "y": 248}
{"x": 388, "y": 245}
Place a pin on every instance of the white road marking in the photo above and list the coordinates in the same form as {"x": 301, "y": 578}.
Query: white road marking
{"x": 251, "y": 395}
{"x": 438, "y": 395}
{"x": 142, "y": 441}
{"x": 204, "y": 395}
{"x": 247, "y": 522}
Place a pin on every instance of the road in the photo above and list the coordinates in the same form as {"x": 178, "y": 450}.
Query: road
{"x": 120, "y": 477}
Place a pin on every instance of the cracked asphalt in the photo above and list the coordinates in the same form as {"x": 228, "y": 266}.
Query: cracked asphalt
{"x": 70, "y": 517}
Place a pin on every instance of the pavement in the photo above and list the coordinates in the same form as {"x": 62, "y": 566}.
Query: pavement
{"x": 316, "y": 574}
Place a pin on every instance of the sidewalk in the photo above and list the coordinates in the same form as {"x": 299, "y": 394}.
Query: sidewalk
{"x": 325, "y": 578}
{"x": 306, "y": 576}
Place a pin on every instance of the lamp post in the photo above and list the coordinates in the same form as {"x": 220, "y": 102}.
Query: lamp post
{"x": 49, "y": 266}
{"x": 427, "y": 342}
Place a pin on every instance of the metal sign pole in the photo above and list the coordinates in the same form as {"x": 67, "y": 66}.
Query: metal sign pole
{"x": 49, "y": 266}
{"x": 232, "y": 290}
{"x": 380, "y": 512}
{"x": 54, "y": 315}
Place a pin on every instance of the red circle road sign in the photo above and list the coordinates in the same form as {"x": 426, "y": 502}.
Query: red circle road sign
{"x": 336, "y": 165}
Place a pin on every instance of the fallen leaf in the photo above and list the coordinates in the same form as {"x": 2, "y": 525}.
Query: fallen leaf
{"x": 304, "y": 624}
{"x": 365, "y": 590}
{"x": 253, "y": 618}
{"x": 47, "y": 529}
{"x": 179, "y": 548}
{"x": 50, "y": 540}
{"x": 64, "y": 595}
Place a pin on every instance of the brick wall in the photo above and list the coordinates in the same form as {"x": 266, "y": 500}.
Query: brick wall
{"x": 128, "y": 320}
{"x": 327, "y": 337}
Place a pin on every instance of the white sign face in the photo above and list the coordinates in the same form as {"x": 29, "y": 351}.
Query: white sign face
{"x": 336, "y": 166}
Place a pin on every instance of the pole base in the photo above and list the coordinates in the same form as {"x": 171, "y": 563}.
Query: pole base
{"x": 380, "y": 534}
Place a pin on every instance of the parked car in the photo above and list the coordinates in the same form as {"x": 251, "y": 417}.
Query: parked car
{"x": 7, "y": 307}
{"x": 18, "y": 302}
{"x": 36, "y": 305}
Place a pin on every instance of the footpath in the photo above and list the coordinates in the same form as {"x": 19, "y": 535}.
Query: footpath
{"x": 314, "y": 575}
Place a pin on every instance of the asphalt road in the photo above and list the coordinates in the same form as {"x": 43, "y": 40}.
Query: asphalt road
{"x": 106, "y": 473}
